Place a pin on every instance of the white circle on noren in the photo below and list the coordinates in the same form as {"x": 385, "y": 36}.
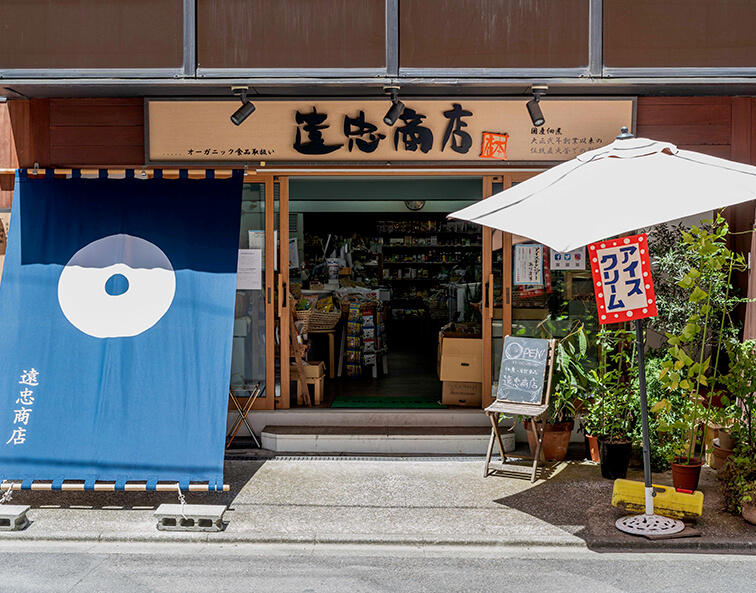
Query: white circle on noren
{"x": 88, "y": 306}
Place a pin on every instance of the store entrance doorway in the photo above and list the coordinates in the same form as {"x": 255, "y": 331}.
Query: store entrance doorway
{"x": 382, "y": 252}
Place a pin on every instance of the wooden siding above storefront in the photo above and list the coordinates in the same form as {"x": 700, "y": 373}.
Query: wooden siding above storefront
{"x": 110, "y": 132}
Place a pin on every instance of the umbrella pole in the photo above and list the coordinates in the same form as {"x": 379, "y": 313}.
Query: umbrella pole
{"x": 644, "y": 418}
{"x": 648, "y": 522}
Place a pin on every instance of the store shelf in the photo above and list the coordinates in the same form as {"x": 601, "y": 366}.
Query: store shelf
{"x": 430, "y": 233}
{"x": 476, "y": 246}
{"x": 419, "y": 263}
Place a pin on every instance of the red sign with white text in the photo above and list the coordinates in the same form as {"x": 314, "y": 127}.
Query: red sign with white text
{"x": 622, "y": 279}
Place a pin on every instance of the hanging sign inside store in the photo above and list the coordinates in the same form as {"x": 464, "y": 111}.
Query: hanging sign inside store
{"x": 622, "y": 279}
{"x": 569, "y": 260}
{"x": 528, "y": 264}
{"x": 429, "y": 130}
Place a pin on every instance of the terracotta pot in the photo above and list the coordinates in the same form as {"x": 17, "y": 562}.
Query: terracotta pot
{"x": 592, "y": 449}
{"x": 685, "y": 475}
{"x": 720, "y": 455}
{"x": 749, "y": 512}
{"x": 615, "y": 458}
{"x": 725, "y": 439}
{"x": 556, "y": 439}
{"x": 716, "y": 398}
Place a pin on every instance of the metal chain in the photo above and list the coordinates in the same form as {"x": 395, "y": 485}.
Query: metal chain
{"x": 181, "y": 498}
{"x": 8, "y": 495}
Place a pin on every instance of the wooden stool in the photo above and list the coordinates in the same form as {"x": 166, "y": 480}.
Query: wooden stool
{"x": 331, "y": 333}
{"x": 318, "y": 395}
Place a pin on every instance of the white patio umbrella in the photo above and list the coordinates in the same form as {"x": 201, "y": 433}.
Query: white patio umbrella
{"x": 629, "y": 184}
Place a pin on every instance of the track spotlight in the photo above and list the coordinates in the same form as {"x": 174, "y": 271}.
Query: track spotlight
{"x": 396, "y": 109}
{"x": 534, "y": 109}
{"x": 246, "y": 109}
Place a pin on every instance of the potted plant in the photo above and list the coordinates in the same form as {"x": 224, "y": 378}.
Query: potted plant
{"x": 615, "y": 397}
{"x": 724, "y": 420}
{"x": 738, "y": 478}
{"x": 591, "y": 422}
{"x": 702, "y": 275}
{"x": 740, "y": 382}
{"x": 570, "y": 384}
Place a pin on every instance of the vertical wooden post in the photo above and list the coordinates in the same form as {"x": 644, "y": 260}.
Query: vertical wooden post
{"x": 270, "y": 312}
{"x": 740, "y": 217}
{"x": 283, "y": 292}
{"x": 487, "y": 307}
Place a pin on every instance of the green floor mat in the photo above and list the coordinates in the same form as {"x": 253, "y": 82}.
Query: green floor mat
{"x": 406, "y": 401}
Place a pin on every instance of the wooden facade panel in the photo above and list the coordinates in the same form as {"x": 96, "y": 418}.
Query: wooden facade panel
{"x": 642, "y": 101}
{"x": 96, "y": 136}
{"x": 741, "y": 130}
{"x": 752, "y": 131}
{"x": 700, "y": 134}
{"x": 74, "y": 114}
{"x": 99, "y": 102}
{"x": 7, "y": 148}
{"x": 99, "y": 156}
{"x": 6, "y": 190}
{"x": 721, "y": 151}
{"x": 711, "y": 114}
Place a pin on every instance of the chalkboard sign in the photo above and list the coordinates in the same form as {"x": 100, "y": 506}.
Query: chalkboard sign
{"x": 523, "y": 369}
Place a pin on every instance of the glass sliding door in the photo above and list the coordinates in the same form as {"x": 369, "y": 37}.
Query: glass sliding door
{"x": 500, "y": 318}
{"x": 259, "y": 308}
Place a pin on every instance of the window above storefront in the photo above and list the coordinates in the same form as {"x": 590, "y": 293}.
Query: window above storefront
{"x": 358, "y": 47}
{"x": 290, "y": 34}
{"x": 483, "y": 34}
{"x": 91, "y": 34}
{"x": 679, "y": 34}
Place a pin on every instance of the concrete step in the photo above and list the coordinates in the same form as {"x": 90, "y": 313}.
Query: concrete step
{"x": 386, "y": 418}
{"x": 442, "y": 440}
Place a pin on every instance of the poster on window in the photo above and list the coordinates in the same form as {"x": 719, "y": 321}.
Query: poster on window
{"x": 528, "y": 264}
{"x": 249, "y": 269}
{"x": 257, "y": 241}
{"x": 622, "y": 279}
{"x": 568, "y": 260}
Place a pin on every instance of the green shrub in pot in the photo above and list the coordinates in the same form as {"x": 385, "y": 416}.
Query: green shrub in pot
{"x": 701, "y": 274}
{"x": 740, "y": 383}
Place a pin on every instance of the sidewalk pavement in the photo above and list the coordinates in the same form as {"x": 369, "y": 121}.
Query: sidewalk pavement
{"x": 384, "y": 500}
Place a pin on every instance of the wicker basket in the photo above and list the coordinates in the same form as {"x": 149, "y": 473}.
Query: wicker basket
{"x": 315, "y": 320}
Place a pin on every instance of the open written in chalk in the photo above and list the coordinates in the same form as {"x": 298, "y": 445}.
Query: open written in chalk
{"x": 523, "y": 370}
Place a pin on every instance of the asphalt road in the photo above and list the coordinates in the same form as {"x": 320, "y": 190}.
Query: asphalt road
{"x": 171, "y": 567}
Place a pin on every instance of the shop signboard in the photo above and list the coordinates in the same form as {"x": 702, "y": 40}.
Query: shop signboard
{"x": 353, "y": 130}
{"x": 523, "y": 369}
{"x": 622, "y": 279}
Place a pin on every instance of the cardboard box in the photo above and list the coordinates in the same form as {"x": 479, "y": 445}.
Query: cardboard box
{"x": 458, "y": 393}
{"x": 460, "y": 359}
{"x": 313, "y": 369}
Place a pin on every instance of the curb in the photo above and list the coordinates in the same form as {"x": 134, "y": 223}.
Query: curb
{"x": 634, "y": 545}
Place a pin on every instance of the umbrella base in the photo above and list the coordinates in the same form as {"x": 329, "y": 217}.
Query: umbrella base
{"x": 649, "y": 525}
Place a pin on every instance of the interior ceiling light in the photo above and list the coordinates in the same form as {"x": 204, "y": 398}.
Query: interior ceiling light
{"x": 534, "y": 109}
{"x": 397, "y": 107}
{"x": 247, "y": 107}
